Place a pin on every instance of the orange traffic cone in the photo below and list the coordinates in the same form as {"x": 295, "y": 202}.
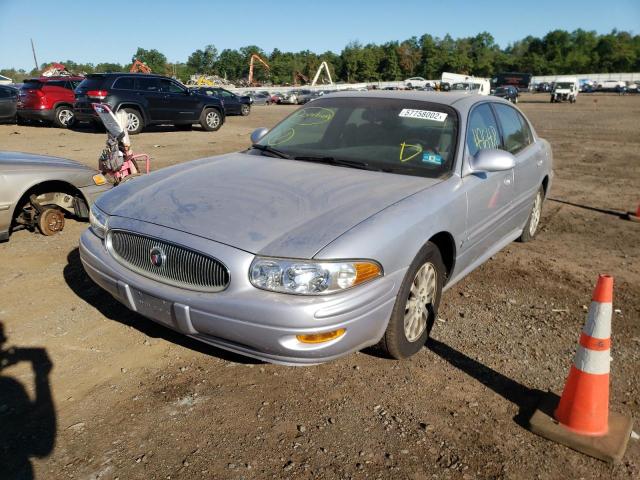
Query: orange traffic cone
{"x": 580, "y": 419}
{"x": 634, "y": 216}
{"x": 584, "y": 406}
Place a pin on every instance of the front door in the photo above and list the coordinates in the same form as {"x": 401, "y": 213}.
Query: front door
{"x": 489, "y": 194}
{"x": 231, "y": 102}
{"x": 182, "y": 107}
{"x": 148, "y": 89}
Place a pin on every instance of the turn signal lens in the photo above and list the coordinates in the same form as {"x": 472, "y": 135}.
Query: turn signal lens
{"x": 321, "y": 337}
{"x": 99, "y": 179}
{"x": 366, "y": 271}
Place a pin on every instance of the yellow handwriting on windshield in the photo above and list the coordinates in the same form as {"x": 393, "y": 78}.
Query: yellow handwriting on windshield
{"x": 314, "y": 116}
{"x": 409, "y": 151}
{"x": 286, "y": 136}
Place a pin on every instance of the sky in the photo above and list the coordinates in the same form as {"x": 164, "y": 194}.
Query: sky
{"x": 111, "y": 31}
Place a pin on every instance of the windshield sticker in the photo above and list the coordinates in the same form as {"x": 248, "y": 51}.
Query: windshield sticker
{"x": 313, "y": 116}
{"x": 284, "y": 137}
{"x": 408, "y": 151}
{"x": 423, "y": 114}
{"x": 431, "y": 158}
{"x": 485, "y": 137}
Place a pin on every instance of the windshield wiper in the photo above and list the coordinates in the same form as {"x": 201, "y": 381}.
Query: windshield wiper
{"x": 274, "y": 151}
{"x": 338, "y": 161}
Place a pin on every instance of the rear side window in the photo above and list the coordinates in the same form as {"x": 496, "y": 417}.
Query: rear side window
{"x": 31, "y": 85}
{"x": 483, "y": 130}
{"x": 57, "y": 83}
{"x": 5, "y": 93}
{"x": 515, "y": 131}
{"x": 148, "y": 84}
{"x": 170, "y": 87}
{"x": 125, "y": 83}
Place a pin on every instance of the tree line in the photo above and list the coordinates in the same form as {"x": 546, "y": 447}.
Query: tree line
{"x": 558, "y": 52}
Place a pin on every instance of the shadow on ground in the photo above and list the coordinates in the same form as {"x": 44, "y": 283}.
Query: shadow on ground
{"x": 78, "y": 280}
{"x": 27, "y": 427}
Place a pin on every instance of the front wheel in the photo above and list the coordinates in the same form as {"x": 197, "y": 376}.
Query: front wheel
{"x": 515, "y": 100}
{"x": 210, "y": 120}
{"x": 50, "y": 221}
{"x": 531, "y": 227}
{"x": 416, "y": 307}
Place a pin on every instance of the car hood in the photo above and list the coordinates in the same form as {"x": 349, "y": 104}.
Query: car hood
{"x": 12, "y": 160}
{"x": 259, "y": 204}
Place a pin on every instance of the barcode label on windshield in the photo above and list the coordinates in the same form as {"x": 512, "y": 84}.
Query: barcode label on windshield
{"x": 423, "y": 114}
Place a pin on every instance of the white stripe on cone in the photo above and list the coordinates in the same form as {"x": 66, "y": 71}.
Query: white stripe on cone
{"x": 599, "y": 320}
{"x": 592, "y": 361}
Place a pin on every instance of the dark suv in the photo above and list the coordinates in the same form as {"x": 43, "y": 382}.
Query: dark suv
{"x": 148, "y": 100}
{"x": 48, "y": 99}
{"x": 508, "y": 92}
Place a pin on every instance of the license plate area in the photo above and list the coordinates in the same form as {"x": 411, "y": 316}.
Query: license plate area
{"x": 153, "y": 307}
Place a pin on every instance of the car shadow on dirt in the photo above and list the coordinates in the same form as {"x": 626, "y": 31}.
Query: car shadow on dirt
{"x": 27, "y": 427}
{"x": 78, "y": 280}
{"x": 524, "y": 397}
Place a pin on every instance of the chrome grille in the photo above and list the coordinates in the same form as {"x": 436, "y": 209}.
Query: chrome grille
{"x": 179, "y": 266}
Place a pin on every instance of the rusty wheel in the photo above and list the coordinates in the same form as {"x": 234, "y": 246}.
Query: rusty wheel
{"x": 50, "y": 221}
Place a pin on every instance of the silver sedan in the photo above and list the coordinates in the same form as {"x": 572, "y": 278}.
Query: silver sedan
{"x": 338, "y": 229}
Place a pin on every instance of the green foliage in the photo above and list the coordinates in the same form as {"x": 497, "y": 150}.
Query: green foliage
{"x": 558, "y": 52}
{"x": 155, "y": 60}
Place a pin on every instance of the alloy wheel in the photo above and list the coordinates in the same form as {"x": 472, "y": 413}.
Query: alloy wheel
{"x": 419, "y": 304}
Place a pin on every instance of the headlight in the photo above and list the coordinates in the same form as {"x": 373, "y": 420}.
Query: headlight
{"x": 306, "y": 277}
{"x": 98, "y": 220}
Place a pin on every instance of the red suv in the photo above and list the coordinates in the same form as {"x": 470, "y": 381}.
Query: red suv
{"x": 49, "y": 99}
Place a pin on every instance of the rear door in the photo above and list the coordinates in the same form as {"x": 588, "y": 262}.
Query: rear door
{"x": 148, "y": 89}
{"x": 517, "y": 139}
{"x": 489, "y": 194}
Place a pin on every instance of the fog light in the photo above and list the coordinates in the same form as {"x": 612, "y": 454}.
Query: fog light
{"x": 321, "y": 337}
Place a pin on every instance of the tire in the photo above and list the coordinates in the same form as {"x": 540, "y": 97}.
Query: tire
{"x": 533, "y": 222}
{"x": 50, "y": 221}
{"x": 245, "y": 110}
{"x": 515, "y": 100}
{"x": 63, "y": 116}
{"x": 409, "y": 327}
{"x": 210, "y": 119}
{"x": 185, "y": 127}
{"x": 551, "y": 101}
{"x": 135, "y": 122}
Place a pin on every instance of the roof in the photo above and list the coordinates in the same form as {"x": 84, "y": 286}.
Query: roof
{"x": 461, "y": 101}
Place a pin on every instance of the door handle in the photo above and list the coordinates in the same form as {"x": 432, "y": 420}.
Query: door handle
{"x": 507, "y": 180}
{"x": 539, "y": 162}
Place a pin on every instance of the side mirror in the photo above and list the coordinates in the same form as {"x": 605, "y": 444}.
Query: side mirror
{"x": 188, "y": 91}
{"x": 492, "y": 160}
{"x": 258, "y": 134}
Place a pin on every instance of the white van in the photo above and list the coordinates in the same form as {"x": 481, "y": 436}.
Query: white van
{"x": 565, "y": 89}
{"x": 466, "y": 83}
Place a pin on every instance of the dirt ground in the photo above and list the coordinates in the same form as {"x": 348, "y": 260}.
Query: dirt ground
{"x": 93, "y": 390}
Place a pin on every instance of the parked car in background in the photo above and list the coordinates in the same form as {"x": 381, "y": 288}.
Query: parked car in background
{"x": 38, "y": 191}
{"x": 48, "y": 99}
{"x": 507, "y": 92}
{"x": 565, "y": 89}
{"x": 298, "y": 97}
{"x": 543, "y": 87}
{"x": 611, "y": 85}
{"x": 416, "y": 82}
{"x": 261, "y": 98}
{"x": 148, "y": 100}
{"x": 339, "y": 229}
{"x": 8, "y": 103}
{"x": 233, "y": 104}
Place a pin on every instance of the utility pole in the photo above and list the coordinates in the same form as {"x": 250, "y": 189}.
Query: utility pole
{"x": 33, "y": 49}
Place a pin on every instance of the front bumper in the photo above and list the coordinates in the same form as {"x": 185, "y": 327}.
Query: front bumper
{"x": 244, "y": 319}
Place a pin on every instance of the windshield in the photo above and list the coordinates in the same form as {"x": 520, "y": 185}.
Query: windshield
{"x": 403, "y": 136}
{"x": 460, "y": 86}
{"x": 501, "y": 90}
{"x": 564, "y": 85}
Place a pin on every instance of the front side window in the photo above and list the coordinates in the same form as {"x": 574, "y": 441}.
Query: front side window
{"x": 170, "y": 87}
{"x": 483, "y": 130}
{"x": 409, "y": 137}
{"x": 515, "y": 136}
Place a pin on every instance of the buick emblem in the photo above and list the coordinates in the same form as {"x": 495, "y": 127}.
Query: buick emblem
{"x": 157, "y": 257}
